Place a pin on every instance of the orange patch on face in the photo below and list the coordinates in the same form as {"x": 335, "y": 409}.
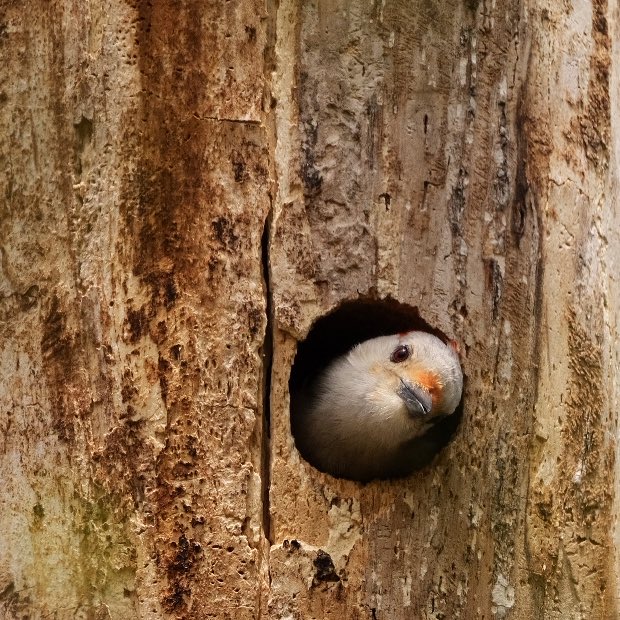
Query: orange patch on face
{"x": 430, "y": 382}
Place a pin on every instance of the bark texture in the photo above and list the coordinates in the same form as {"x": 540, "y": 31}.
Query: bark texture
{"x": 459, "y": 157}
{"x": 187, "y": 188}
{"x": 135, "y": 189}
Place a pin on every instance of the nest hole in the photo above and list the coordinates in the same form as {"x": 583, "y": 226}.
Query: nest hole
{"x": 349, "y": 324}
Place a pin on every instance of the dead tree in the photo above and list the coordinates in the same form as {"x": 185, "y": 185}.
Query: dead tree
{"x": 188, "y": 189}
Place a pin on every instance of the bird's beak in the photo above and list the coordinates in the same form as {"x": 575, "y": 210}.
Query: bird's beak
{"x": 417, "y": 400}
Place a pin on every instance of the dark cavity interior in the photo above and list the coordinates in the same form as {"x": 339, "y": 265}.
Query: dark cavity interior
{"x": 351, "y": 323}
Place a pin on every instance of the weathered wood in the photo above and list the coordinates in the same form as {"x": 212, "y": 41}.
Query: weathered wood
{"x": 170, "y": 230}
{"x": 455, "y": 156}
{"x": 135, "y": 189}
{"x": 572, "y": 168}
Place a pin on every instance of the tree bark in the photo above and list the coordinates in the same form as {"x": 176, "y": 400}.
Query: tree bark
{"x": 187, "y": 188}
{"x": 133, "y": 309}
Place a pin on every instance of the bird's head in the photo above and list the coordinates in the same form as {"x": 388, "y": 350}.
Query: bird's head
{"x": 413, "y": 374}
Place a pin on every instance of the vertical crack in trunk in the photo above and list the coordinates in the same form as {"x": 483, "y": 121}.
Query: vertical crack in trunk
{"x": 269, "y": 67}
{"x": 267, "y": 354}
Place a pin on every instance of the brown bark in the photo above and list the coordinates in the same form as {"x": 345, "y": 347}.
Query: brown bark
{"x": 458, "y": 157}
{"x": 133, "y": 309}
{"x": 187, "y": 188}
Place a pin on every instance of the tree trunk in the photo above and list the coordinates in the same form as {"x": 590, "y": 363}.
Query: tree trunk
{"x": 188, "y": 188}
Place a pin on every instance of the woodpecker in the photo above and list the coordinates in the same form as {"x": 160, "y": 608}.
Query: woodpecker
{"x": 367, "y": 413}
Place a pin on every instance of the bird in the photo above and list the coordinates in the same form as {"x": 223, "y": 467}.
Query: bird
{"x": 370, "y": 413}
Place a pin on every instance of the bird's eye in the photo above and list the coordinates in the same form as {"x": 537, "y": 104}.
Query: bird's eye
{"x": 400, "y": 354}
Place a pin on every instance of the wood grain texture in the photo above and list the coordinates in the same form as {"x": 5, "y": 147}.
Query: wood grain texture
{"x": 421, "y": 143}
{"x": 133, "y": 309}
{"x": 186, "y": 188}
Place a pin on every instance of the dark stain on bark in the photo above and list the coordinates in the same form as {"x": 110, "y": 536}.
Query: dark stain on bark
{"x": 128, "y": 389}
{"x": 55, "y": 340}
{"x": 185, "y": 553}
{"x": 256, "y": 319}
{"x": 596, "y": 120}
{"x": 70, "y": 395}
{"x": 495, "y": 285}
{"x": 135, "y": 324}
{"x": 519, "y": 206}
{"x": 374, "y": 116}
{"x": 585, "y": 403}
{"x": 456, "y": 204}
{"x": 187, "y": 235}
{"x": 164, "y": 367}
{"x": 117, "y": 470}
{"x": 310, "y": 175}
{"x": 239, "y": 167}
{"x": 225, "y": 233}
{"x": 83, "y": 130}
{"x": 325, "y": 569}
